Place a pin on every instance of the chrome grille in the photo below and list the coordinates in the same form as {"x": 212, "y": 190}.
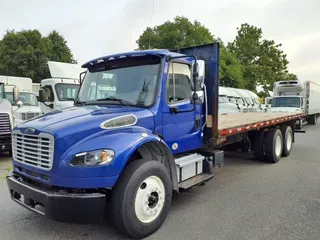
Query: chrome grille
{"x": 27, "y": 116}
{"x": 33, "y": 150}
{"x": 5, "y": 124}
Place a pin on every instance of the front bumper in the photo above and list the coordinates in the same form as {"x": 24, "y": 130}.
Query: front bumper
{"x": 66, "y": 207}
{"x": 5, "y": 143}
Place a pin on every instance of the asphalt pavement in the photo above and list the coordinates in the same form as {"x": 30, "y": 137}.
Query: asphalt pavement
{"x": 246, "y": 200}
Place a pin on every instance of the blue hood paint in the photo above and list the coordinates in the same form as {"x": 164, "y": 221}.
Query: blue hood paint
{"x": 61, "y": 124}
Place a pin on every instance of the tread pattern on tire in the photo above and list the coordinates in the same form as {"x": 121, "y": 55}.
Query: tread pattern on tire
{"x": 284, "y": 129}
{"x": 119, "y": 193}
{"x": 270, "y": 145}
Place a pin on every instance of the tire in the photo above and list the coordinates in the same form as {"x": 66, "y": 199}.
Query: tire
{"x": 273, "y": 145}
{"x": 144, "y": 187}
{"x": 258, "y": 145}
{"x": 313, "y": 119}
{"x": 287, "y": 135}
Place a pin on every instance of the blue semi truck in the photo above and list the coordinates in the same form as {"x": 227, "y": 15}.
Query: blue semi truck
{"x": 144, "y": 125}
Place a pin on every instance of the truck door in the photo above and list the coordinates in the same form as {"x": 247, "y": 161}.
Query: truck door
{"x": 181, "y": 130}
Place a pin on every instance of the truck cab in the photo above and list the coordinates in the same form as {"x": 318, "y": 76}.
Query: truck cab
{"x": 240, "y": 102}
{"x": 289, "y": 96}
{"x": 27, "y": 107}
{"x": 288, "y": 104}
{"x": 6, "y": 119}
{"x": 227, "y": 103}
{"x": 258, "y": 105}
{"x": 59, "y": 91}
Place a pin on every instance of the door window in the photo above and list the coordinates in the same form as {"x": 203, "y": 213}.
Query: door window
{"x": 48, "y": 94}
{"x": 178, "y": 83}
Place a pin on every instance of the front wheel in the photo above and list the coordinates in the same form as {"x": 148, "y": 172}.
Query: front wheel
{"x": 141, "y": 199}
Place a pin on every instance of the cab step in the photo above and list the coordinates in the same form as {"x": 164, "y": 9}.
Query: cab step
{"x": 194, "y": 181}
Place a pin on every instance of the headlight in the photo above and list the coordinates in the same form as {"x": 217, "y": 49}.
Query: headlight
{"x": 93, "y": 158}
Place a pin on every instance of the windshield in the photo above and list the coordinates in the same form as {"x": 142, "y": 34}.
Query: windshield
{"x": 248, "y": 100}
{"x": 28, "y": 99}
{"x": 239, "y": 100}
{"x": 286, "y": 102}
{"x": 232, "y": 100}
{"x": 223, "y": 99}
{"x": 132, "y": 80}
{"x": 1, "y": 91}
{"x": 66, "y": 91}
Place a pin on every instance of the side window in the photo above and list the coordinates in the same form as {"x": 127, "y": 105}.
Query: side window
{"x": 48, "y": 94}
{"x": 178, "y": 82}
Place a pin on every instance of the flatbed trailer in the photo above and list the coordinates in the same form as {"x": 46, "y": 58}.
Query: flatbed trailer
{"x": 244, "y": 122}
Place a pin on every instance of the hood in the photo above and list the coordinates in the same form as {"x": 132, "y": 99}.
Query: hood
{"x": 27, "y": 109}
{"x": 76, "y": 123}
{"x": 5, "y": 106}
{"x": 285, "y": 109}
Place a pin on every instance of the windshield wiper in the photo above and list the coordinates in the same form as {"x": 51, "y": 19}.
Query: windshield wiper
{"x": 71, "y": 99}
{"x": 123, "y": 102}
{"x": 82, "y": 103}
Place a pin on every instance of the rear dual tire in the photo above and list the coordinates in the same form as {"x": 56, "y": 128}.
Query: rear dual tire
{"x": 287, "y": 134}
{"x": 313, "y": 119}
{"x": 273, "y": 145}
{"x": 270, "y": 144}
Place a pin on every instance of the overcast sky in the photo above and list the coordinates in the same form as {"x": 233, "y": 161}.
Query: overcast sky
{"x": 99, "y": 27}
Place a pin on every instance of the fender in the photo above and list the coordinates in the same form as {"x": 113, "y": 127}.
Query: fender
{"x": 124, "y": 142}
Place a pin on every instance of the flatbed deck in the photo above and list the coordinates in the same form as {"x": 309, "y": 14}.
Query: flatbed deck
{"x": 241, "y": 122}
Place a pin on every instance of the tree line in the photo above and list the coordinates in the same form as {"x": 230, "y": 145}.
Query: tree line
{"x": 25, "y": 53}
{"x": 246, "y": 62}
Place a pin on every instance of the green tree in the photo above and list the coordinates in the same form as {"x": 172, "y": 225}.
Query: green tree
{"x": 263, "y": 60}
{"x": 289, "y": 76}
{"x": 230, "y": 71}
{"x": 175, "y": 34}
{"x": 25, "y": 53}
{"x": 57, "y": 48}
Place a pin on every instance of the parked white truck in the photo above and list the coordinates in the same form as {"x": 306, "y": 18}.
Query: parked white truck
{"x": 225, "y": 105}
{"x": 30, "y": 107}
{"x": 6, "y": 119}
{"x": 297, "y": 96}
{"x": 59, "y": 91}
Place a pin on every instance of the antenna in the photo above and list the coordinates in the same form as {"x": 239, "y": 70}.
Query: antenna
{"x": 151, "y": 21}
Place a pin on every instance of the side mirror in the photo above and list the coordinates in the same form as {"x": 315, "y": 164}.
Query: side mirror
{"x": 15, "y": 92}
{"x": 19, "y": 104}
{"x": 201, "y": 73}
{"x": 41, "y": 95}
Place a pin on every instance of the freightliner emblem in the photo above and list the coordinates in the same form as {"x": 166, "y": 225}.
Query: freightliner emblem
{"x": 30, "y": 130}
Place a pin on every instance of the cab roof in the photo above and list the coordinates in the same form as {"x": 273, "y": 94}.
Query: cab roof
{"x": 158, "y": 52}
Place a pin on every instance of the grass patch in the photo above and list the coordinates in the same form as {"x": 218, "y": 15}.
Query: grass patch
{"x": 8, "y": 169}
